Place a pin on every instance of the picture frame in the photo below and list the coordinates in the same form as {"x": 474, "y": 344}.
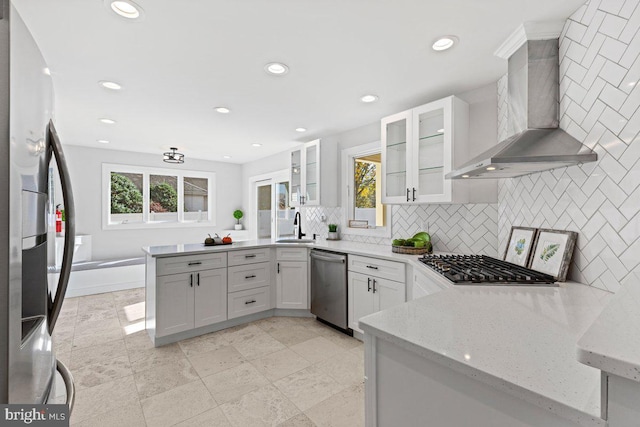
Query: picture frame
{"x": 357, "y": 223}
{"x": 520, "y": 245}
{"x": 553, "y": 252}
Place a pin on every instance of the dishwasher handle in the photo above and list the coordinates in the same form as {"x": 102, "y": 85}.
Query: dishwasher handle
{"x": 340, "y": 260}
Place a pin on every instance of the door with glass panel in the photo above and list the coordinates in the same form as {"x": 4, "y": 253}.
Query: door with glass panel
{"x": 431, "y": 158}
{"x": 274, "y": 213}
{"x": 396, "y": 152}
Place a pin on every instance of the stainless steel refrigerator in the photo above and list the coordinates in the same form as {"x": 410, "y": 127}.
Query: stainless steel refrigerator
{"x": 30, "y": 154}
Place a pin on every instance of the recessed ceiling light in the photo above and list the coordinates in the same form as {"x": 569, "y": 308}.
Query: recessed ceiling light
{"x": 440, "y": 130}
{"x": 301, "y": 129}
{"x": 222, "y": 110}
{"x": 444, "y": 43}
{"x": 367, "y": 99}
{"x": 465, "y": 176}
{"x": 103, "y": 141}
{"x": 46, "y": 71}
{"x": 276, "y": 68}
{"x": 107, "y": 121}
{"x": 491, "y": 168}
{"x": 255, "y": 144}
{"x": 125, "y": 8}
{"x": 226, "y": 157}
{"x": 109, "y": 85}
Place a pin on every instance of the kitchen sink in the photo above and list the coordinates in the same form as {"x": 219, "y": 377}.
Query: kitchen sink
{"x": 295, "y": 241}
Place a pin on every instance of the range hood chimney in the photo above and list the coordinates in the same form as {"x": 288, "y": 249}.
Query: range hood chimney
{"x": 537, "y": 144}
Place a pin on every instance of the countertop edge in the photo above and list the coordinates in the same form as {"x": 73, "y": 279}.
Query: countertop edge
{"x": 544, "y": 402}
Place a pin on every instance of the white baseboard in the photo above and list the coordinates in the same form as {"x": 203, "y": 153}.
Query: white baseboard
{"x": 101, "y": 280}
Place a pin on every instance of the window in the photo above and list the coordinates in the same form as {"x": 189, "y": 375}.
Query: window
{"x": 364, "y": 212}
{"x": 140, "y": 197}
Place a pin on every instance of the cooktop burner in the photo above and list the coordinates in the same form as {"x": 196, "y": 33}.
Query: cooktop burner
{"x": 482, "y": 269}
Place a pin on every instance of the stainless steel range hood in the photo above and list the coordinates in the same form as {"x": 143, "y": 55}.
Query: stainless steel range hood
{"x": 537, "y": 144}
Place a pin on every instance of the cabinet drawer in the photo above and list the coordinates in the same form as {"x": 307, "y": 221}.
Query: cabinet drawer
{"x": 188, "y": 263}
{"x": 248, "y": 302}
{"x": 375, "y": 267}
{"x": 291, "y": 254}
{"x": 249, "y": 256}
{"x": 243, "y": 277}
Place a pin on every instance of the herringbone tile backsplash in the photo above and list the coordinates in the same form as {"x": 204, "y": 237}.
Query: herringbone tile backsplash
{"x": 600, "y": 96}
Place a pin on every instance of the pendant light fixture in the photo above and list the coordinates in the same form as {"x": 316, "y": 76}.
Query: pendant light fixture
{"x": 173, "y": 156}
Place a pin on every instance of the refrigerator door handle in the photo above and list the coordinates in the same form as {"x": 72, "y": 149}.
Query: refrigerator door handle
{"x": 70, "y": 231}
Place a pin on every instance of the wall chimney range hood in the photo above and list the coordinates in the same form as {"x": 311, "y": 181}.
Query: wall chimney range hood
{"x": 537, "y": 143}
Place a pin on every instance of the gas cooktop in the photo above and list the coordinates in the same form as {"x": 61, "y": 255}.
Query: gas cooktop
{"x": 484, "y": 270}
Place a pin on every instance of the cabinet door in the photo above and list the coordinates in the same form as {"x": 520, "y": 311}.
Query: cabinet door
{"x": 360, "y": 298}
{"x": 295, "y": 178}
{"x": 396, "y": 137}
{"x": 432, "y": 157}
{"x": 210, "y": 297}
{"x": 174, "y": 303}
{"x": 387, "y": 293}
{"x": 291, "y": 285}
{"x": 312, "y": 173}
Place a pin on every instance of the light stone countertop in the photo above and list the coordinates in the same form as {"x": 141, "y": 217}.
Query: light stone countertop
{"x": 612, "y": 343}
{"x": 520, "y": 340}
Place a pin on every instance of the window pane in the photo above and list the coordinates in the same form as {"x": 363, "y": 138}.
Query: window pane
{"x": 367, "y": 190}
{"x": 196, "y": 199}
{"x": 126, "y": 198}
{"x": 163, "y": 198}
{"x": 284, "y": 213}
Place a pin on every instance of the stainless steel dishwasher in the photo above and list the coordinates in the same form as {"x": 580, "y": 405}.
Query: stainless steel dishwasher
{"x": 329, "y": 288}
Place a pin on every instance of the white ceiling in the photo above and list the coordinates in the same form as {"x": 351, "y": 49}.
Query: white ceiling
{"x": 188, "y": 56}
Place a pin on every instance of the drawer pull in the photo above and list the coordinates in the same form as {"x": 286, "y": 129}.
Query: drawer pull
{"x": 373, "y": 267}
{"x": 250, "y": 302}
{"x": 250, "y": 256}
{"x": 195, "y": 263}
{"x": 253, "y": 276}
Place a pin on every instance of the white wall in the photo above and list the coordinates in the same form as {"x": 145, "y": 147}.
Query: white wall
{"x": 85, "y": 167}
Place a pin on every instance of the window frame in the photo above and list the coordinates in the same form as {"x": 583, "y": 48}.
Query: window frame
{"x": 146, "y": 171}
{"x": 348, "y": 201}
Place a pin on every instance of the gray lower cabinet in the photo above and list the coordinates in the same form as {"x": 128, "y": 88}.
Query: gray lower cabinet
{"x": 190, "y": 300}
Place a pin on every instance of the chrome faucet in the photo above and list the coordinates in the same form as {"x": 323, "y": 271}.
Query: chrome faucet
{"x": 297, "y": 226}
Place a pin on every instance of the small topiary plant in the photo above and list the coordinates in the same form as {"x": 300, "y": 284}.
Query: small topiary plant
{"x": 237, "y": 214}
{"x": 333, "y": 228}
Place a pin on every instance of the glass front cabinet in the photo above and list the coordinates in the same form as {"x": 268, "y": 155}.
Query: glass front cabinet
{"x": 304, "y": 171}
{"x": 419, "y": 147}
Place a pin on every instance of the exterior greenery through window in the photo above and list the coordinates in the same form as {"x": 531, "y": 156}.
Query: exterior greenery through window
{"x": 138, "y": 195}
{"x": 367, "y": 191}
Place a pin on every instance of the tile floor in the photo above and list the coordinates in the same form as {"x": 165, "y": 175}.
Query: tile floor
{"x": 277, "y": 371}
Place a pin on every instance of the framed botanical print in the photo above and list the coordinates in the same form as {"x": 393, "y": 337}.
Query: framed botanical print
{"x": 519, "y": 245}
{"x": 553, "y": 252}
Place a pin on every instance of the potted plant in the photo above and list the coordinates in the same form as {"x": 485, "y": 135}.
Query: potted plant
{"x": 333, "y": 232}
{"x": 237, "y": 214}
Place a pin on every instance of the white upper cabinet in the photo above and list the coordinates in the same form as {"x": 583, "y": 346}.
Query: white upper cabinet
{"x": 419, "y": 147}
{"x": 304, "y": 170}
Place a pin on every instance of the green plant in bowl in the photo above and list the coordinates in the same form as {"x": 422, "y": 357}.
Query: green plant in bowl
{"x": 333, "y": 228}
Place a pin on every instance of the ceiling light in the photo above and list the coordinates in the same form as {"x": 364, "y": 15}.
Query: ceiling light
{"x": 491, "y": 168}
{"x": 125, "y": 8}
{"x": 109, "y": 85}
{"x": 444, "y": 43}
{"x": 222, "y": 110}
{"x": 107, "y": 121}
{"x": 465, "y": 176}
{"x": 369, "y": 98}
{"x": 276, "y": 68}
{"x": 46, "y": 71}
{"x": 103, "y": 141}
{"x": 630, "y": 84}
{"x": 301, "y": 129}
{"x": 173, "y": 156}
{"x": 255, "y": 144}
{"x": 226, "y": 157}
{"x": 440, "y": 130}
